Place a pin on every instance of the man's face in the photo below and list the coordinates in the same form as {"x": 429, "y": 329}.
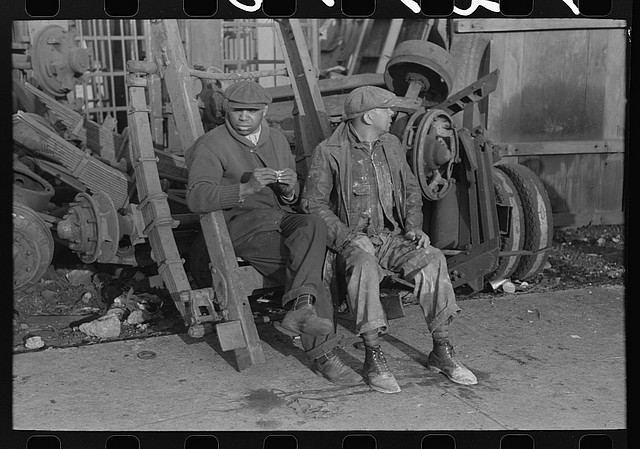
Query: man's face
{"x": 381, "y": 119}
{"x": 246, "y": 121}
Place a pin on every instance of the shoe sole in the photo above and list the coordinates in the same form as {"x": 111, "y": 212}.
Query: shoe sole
{"x": 382, "y": 390}
{"x": 285, "y": 331}
{"x": 439, "y": 371}
{"x": 344, "y": 384}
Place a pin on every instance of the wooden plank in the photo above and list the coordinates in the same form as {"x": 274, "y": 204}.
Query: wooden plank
{"x": 330, "y": 85}
{"x": 389, "y": 44}
{"x": 311, "y": 121}
{"x": 511, "y": 77}
{"x": 565, "y": 147}
{"x": 167, "y": 47}
{"x": 517, "y": 25}
{"x": 616, "y": 85}
{"x": 175, "y": 71}
{"x": 224, "y": 261}
{"x": 497, "y": 52}
{"x": 580, "y": 185}
{"x": 596, "y": 73}
{"x": 612, "y": 185}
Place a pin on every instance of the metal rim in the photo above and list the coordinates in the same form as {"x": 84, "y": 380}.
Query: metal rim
{"x": 33, "y": 246}
{"x": 436, "y": 184}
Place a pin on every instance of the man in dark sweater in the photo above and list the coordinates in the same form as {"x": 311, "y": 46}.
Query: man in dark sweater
{"x": 247, "y": 170}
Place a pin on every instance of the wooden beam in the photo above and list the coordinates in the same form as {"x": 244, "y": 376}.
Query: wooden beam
{"x": 227, "y": 273}
{"x": 568, "y": 147}
{"x": 505, "y": 25}
{"x": 389, "y": 44}
{"x": 329, "y": 85}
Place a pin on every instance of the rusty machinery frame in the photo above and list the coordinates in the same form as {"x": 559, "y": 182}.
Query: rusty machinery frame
{"x": 471, "y": 203}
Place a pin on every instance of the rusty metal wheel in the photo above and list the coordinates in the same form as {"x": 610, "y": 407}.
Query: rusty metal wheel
{"x": 433, "y": 149}
{"x": 512, "y": 227}
{"x": 421, "y": 63}
{"x": 538, "y": 219}
{"x": 30, "y": 189}
{"x": 33, "y": 247}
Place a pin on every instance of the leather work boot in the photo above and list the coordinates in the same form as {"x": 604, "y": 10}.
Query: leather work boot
{"x": 376, "y": 372}
{"x": 442, "y": 360}
{"x": 302, "y": 319}
{"x": 333, "y": 369}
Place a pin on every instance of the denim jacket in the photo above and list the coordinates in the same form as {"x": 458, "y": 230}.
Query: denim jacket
{"x": 327, "y": 188}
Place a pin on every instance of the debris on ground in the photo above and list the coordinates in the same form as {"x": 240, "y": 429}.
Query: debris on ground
{"x": 75, "y": 304}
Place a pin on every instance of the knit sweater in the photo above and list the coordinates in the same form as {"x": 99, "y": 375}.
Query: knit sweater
{"x": 219, "y": 161}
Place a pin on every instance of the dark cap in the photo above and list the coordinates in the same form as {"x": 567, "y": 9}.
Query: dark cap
{"x": 247, "y": 94}
{"x": 365, "y": 98}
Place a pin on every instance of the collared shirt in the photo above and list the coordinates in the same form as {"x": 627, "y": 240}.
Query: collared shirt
{"x": 254, "y": 137}
{"x": 371, "y": 192}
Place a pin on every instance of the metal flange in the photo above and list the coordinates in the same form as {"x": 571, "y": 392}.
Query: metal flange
{"x": 420, "y": 62}
{"x": 57, "y": 60}
{"x": 91, "y": 227}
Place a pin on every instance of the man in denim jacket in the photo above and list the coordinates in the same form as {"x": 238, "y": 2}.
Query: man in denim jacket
{"x": 360, "y": 183}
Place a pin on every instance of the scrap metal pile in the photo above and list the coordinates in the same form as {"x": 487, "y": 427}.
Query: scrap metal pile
{"x": 81, "y": 185}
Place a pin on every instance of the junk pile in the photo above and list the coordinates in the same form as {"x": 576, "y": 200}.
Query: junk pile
{"x": 83, "y": 305}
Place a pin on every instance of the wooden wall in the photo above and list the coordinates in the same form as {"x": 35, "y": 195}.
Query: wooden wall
{"x": 560, "y": 108}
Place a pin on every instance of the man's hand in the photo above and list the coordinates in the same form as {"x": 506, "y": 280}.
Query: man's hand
{"x": 363, "y": 242}
{"x": 287, "y": 176}
{"x": 287, "y": 179}
{"x": 422, "y": 240}
{"x": 259, "y": 179}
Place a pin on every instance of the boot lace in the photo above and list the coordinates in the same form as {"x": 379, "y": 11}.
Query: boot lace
{"x": 377, "y": 357}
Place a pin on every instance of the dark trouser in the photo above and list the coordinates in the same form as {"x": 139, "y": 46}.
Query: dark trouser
{"x": 426, "y": 267}
{"x": 294, "y": 256}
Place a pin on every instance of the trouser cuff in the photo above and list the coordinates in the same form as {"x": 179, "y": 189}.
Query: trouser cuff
{"x": 445, "y": 315}
{"x": 324, "y": 347}
{"x": 297, "y": 291}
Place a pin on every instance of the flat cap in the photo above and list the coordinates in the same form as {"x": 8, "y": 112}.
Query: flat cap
{"x": 247, "y": 94}
{"x": 365, "y": 98}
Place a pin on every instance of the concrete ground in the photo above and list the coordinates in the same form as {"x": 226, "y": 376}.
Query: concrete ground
{"x": 553, "y": 361}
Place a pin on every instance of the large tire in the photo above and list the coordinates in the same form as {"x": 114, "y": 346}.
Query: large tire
{"x": 538, "y": 219}
{"x": 33, "y": 247}
{"x": 507, "y": 194}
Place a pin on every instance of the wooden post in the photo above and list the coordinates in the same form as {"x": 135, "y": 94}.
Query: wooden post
{"x": 313, "y": 122}
{"x": 172, "y": 66}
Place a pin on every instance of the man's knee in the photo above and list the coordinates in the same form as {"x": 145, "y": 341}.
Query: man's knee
{"x": 314, "y": 224}
{"x": 360, "y": 260}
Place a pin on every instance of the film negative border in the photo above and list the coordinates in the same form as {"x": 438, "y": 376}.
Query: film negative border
{"x": 49, "y": 9}
{"x": 593, "y": 439}
{"x": 578, "y": 439}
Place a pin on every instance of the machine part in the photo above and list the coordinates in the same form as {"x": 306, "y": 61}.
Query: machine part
{"x": 538, "y": 219}
{"x": 92, "y": 172}
{"x": 420, "y": 62}
{"x": 444, "y": 220}
{"x": 434, "y": 149}
{"x": 92, "y": 227}
{"x": 511, "y": 218}
{"x": 57, "y": 60}
{"x": 30, "y": 189}
{"x": 32, "y": 246}
{"x": 199, "y": 262}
